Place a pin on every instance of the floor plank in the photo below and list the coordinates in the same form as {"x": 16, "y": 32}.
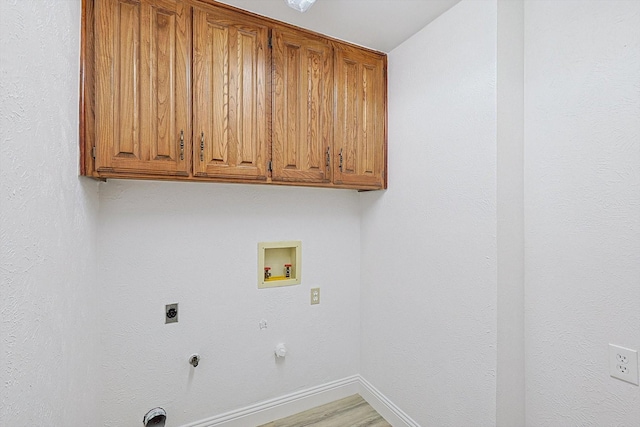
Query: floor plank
{"x": 352, "y": 411}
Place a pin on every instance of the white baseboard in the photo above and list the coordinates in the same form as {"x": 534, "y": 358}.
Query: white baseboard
{"x": 389, "y": 411}
{"x": 290, "y": 404}
{"x": 284, "y": 406}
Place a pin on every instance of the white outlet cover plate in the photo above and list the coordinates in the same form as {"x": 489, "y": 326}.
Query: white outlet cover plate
{"x": 315, "y": 296}
{"x": 623, "y": 364}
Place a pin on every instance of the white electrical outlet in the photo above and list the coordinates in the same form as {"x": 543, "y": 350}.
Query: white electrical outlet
{"x": 315, "y": 296}
{"x": 623, "y": 364}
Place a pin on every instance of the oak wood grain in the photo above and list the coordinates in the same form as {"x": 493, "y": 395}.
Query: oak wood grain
{"x": 147, "y": 78}
{"x": 230, "y": 95}
{"x": 87, "y": 91}
{"x": 360, "y": 127}
{"x": 302, "y": 107}
{"x": 142, "y": 91}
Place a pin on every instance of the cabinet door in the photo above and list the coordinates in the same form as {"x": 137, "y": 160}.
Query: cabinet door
{"x": 230, "y": 95}
{"x": 302, "y": 107}
{"x": 360, "y": 130}
{"x": 142, "y": 90}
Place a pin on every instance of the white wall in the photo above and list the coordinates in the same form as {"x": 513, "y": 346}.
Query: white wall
{"x": 196, "y": 244}
{"x": 429, "y": 242}
{"x": 582, "y": 209}
{"x": 48, "y": 337}
{"x": 510, "y": 379}
{"x": 424, "y": 250}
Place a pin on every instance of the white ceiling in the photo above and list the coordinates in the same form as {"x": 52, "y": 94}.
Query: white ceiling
{"x": 377, "y": 24}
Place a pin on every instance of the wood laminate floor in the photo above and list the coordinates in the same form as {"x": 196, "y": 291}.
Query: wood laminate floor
{"x": 352, "y": 411}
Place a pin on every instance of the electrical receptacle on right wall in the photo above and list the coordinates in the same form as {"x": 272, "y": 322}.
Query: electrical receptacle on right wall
{"x": 623, "y": 364}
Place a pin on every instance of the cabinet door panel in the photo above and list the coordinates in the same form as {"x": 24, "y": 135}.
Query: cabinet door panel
{"x": 303, "y": 103}
{"x": 360, "y": 119}
{"x": 142, "y": 90}
{"x": 230, "y": 96}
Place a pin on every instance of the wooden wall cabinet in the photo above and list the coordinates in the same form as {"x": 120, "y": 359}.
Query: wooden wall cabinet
{"x": 230, "y": 92}
{"x": 197, "y": 90}
{"x": 360, "y": 127}
{"x": 303, "y": 89}
{"x": 142, "y": 87}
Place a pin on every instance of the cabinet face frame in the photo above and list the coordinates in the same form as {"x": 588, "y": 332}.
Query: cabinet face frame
{"x": 86, "y": 96}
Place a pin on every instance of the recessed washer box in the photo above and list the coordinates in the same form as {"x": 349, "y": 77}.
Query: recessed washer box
{"x": 279, "y": 263}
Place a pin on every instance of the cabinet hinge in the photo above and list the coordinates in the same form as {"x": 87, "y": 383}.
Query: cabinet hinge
{"x": 93, "y": 151}
{"x": 270, "y": 166}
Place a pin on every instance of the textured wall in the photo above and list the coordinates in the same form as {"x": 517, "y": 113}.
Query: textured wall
{"x": 429, "y": 242}
{"x": 48, "y": 339}
{"x": 582, "y": 209}
{"x": 510, "y": 379}
{"x": 196, "y": 244}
